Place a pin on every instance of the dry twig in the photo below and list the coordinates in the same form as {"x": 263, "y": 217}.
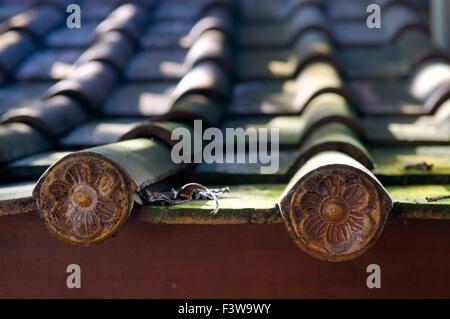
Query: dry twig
{"x": 190, "y": 191}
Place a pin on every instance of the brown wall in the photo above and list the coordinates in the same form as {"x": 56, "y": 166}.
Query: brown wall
{"x": 190, "y": 261}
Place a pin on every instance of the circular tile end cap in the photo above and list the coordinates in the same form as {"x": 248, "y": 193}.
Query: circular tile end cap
{"x": 335, "y": 212}
{"x": 85, "y": 198}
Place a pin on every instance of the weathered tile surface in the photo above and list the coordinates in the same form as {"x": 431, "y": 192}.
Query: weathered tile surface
{"x": 48, "y": 65}
{"x": 72, "y": 38}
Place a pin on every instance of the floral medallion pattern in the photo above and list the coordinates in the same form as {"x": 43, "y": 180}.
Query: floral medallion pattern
{"x": 335, "y": 214}
{"x": 335, "y": 211}
{"x": 82, "y": 204}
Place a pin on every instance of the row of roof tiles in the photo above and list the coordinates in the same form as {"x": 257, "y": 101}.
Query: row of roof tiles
{"x": 101, "y": 66}
{"x": 305, "y": 68}
{"x": 99, "y": 69}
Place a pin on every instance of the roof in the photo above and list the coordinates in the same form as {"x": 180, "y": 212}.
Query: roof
{"x": 87, "y": 115}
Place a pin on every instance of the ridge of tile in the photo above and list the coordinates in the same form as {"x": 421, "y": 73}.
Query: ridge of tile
{"x": 399, "y": 18}
{"x": 294, "y": 130}
{"x": 258, "y": 35}
{"x": 47, "y": 65}
{"x": 36, "y": 21}
{"x": 128, "y": 18}
{"x": 261, "y": 64}
{"x": 396, "y": 18}
{"x": 86, "y": 86}
{"x": 112, "y": 47}
{"x": 333, "y": 136}
{"x": 90, "y": 83}
{"x": 18, "y": 94}
{"x": 412, "y": 130}
{"x": 212, "y": 45}
{"x": 194, "y": 106}
{"x": 18, "y": 140}
{"x": 14, "y": 47}
{"x": 52, "y": 117}
{"x": 214, "y": 18}
{"x": 158, "y": 130}
{"x": 140, "y": 99}
{"x": 208, "y": 40}
{"x": 206, "y": 78}
{"x": 290, "y": 96}
{"x": 97, "y": 132}
{"x": 422, "y": 93}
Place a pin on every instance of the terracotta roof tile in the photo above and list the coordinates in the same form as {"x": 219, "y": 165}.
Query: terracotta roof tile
{"x": 206, "y": 78}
